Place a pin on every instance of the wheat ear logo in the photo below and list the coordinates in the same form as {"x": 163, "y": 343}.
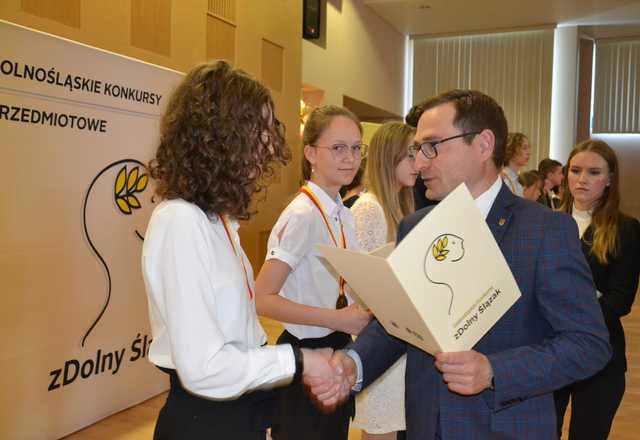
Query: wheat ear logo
{"x": 129, "y": 183}
{"x": 442, "y": 254}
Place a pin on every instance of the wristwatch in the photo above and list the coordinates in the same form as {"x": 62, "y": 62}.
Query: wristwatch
{"x": 297, "y": 355}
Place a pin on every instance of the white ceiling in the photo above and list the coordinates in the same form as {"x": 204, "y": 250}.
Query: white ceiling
{"x": 423, "y": 17}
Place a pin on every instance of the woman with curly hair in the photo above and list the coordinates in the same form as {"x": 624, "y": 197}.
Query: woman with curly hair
{"x": 219, "y": 140}
{"x": 516, "y": 156}
{"x": 295, "y": 285}
{"x": 611, "y": 245}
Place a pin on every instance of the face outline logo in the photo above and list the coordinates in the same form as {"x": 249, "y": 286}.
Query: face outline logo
{"x": 125, "y": 187}
{"x": 444, "y": 250}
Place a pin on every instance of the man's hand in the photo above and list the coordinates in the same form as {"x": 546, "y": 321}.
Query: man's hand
{"x": 465, "y": 372}
{"x": 330, "y": 392}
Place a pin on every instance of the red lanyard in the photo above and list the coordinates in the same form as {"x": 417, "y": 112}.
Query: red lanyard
{"x": 309, "y": 193}
{"x": 246, "y": 277}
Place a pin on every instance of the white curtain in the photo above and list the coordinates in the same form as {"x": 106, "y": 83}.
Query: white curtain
{"x": 515, "y": 68}
{"x": 616, "y": 106}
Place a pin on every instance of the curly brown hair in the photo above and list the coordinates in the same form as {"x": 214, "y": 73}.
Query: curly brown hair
{"x": 513, "y": 147}
{"x": 219, "y": 141}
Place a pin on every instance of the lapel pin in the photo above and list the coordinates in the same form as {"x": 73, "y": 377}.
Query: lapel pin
{"x": 501, "y": 222}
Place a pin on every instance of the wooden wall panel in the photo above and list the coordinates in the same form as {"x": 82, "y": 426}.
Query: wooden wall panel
{"x": 585, "y": 77}
{"x": 221, "y": 39}
{"x": 151, "y": 25}
{"x": 63, "y": 11}
{"x": 272, "y": 65}
{"x": 223, "y": 8}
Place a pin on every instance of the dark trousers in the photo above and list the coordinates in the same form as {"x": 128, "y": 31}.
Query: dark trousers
{"x": 594, "y": 403}
{"x": 186, "y": 416}
{"x": 297, "y": 417}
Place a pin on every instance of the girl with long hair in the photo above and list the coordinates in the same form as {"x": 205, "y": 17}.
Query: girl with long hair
{"x": 295, "y": 285}
{"x": 611, "y": 245}
{"x": 219, "y": 139}
{"x": 390, "y": 175}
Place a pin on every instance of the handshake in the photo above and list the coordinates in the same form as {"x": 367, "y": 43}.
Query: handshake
{"x": 329, "y": 377}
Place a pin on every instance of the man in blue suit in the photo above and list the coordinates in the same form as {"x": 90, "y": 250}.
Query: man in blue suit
{"x": 552, "y": 336}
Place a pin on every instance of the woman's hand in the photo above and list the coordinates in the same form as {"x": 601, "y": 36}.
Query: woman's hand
{"x": 352, "y": 319}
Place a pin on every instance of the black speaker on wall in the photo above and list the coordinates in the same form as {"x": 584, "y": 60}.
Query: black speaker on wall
{"x": 311, "y": 19}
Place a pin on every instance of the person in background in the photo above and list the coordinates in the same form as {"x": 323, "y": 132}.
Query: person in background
{"x": 390, "y": 176}
{"x": 219, "y": 139}
{"x": 516, "y": 156}
{"x": 351, "y": 192}
{"x": 295, "y": 285}
{"x": 611, "y": 245}
{"x": 419, "y": 189}
{"x": 552, "y": 174}
{"x": 531, "y": 183}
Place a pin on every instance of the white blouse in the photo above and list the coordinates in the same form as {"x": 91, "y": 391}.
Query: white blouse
{"x": 582, "y": 218}
{"x": 203, "y": 319}
{"x": 371, "y": 224}
{"x": 293, "y": 241}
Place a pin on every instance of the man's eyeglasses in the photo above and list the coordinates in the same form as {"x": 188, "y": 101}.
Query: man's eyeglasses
{"x": 429, "y": 148}
{"x": 341, "y": 151}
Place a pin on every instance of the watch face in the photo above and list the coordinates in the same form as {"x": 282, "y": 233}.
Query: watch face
{"x": 341, "y": 302}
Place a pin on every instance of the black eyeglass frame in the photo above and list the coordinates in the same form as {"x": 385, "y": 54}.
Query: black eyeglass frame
{"x": 433, "y": 144}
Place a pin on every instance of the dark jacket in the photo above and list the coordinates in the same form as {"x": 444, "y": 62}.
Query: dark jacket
{"x": 618, "y": 283}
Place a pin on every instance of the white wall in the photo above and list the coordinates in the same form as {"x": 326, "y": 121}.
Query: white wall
{"x": 564, "y": 93}
{"x": 364, "y": 58}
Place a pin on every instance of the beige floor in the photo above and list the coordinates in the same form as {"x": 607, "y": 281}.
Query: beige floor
{"x": 137, "y": 423}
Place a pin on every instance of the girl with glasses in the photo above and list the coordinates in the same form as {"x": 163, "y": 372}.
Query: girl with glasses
{"x": 390, "y": 176}
{"x": 295, "y": 285}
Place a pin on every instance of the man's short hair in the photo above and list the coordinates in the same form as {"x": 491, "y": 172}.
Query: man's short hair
{"x": 475, "y": 112}
{"x": 414, "y": 114}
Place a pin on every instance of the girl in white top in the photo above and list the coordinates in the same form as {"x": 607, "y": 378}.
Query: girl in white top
{"x": 390, "y": 176}
{"x": 295, "y": 285}
{"x": 516, "y": 156}
{"x": 219, "y": 136}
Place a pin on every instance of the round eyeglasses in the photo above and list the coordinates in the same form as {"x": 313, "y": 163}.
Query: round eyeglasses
{"x": 342, "y": 151}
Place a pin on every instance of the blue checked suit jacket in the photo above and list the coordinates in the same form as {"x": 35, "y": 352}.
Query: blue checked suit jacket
{"x": 552, "y": 336}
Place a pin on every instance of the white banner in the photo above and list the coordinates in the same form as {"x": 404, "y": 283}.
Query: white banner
{"x": 77, "y": 126}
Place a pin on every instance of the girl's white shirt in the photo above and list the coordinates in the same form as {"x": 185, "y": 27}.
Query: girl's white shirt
{"x": 203, "y": 321}
{"x": 293, "y": 241}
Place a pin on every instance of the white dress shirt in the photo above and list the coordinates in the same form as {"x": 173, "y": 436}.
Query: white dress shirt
{"x": 203, "y": 320}
{"x": 293, "y": 241}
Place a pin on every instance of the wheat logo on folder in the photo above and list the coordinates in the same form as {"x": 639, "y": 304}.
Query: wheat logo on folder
{"x": 443, "y": 287}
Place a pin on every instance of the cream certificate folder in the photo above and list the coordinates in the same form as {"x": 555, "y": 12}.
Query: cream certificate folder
{"x": 443, "y": 287}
